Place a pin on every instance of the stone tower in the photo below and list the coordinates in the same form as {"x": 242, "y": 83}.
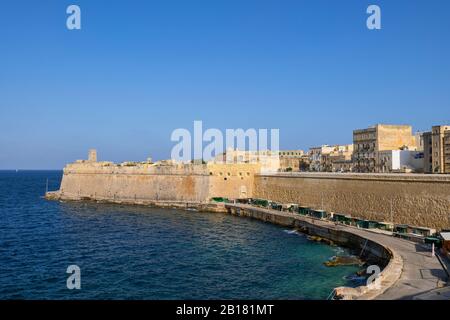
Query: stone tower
{"x": 92, "y": 157}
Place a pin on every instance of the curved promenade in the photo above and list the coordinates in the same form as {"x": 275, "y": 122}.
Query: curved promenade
{"x": 411, "y": 269}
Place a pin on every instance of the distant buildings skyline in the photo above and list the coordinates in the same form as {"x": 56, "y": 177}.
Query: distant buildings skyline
{"x": 382, "y": 148}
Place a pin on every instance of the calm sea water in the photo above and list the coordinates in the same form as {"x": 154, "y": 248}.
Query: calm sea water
{"x": 128, "y": 252}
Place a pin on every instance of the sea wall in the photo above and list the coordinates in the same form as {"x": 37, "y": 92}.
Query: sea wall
{"x": 422, "y": 200}
{"x": 416, "y": 199}
{"x": 146, "y": 182}
{"x": 105, "y": 182}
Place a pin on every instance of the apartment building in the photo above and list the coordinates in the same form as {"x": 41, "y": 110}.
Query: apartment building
{"x": 367, "y": 143}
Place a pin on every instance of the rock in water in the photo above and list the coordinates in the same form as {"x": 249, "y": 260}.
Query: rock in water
{"x": 343, "y": 261}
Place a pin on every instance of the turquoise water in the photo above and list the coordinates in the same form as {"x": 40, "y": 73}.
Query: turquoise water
{"x": 131, "y": 252}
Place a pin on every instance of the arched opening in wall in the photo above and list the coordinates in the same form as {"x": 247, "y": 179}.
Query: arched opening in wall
{"x": 243, "y": 192}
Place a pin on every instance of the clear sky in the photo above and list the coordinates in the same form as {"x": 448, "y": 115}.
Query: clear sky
{"x": 137, "y": 70}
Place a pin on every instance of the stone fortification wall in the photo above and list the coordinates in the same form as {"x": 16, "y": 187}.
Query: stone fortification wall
{"x": 198, "y": 183}
{"x": 144, "y": 182}
{"x": 422, "y": 200}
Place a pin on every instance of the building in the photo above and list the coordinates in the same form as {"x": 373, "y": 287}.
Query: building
{"x": 427, "y": 152}
{"x": 315, "y": 156}
{"x": 447, "y": 151}
{"x": 271, "y": 161}
{"x": 92, "y": 156}
{"x": 381, "y": 137}
{"x": 291, "y": 160}
{"x": 419, "y": 138}
{"x": 304, "y": 163}
{"x": 438, "y": 148}
{"x": 341, "y": 154}
{"x": 399, "y": 161}
{"x": 342, "y": 166}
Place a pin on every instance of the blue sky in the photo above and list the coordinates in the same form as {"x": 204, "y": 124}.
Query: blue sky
{"x": 137, "y": 70}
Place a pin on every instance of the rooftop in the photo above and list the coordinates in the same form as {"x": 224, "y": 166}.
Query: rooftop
{"x": 445, "y": 235}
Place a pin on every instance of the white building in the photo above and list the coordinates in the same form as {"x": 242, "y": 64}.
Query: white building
{"x": 400, "y": 161}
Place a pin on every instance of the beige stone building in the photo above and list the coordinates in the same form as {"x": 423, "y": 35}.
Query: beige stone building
{"x": 290, "y": 160}
{"x": 269, "y": 160}
{"x": 447, "y": 151}
{"x": 438, "y": 149}
{"x": 368, "y": 142}
{"x": 342, "y": 154}
{"x": 283, "y": 160}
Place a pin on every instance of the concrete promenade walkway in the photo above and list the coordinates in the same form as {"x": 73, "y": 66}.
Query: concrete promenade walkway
{"x": 421, "y": 271}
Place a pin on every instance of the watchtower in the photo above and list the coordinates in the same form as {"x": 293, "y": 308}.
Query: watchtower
{"x": 92, "y": 157}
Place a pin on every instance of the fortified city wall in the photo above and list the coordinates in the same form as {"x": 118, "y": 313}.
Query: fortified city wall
{"x": 104, "y": 181}
{"x": 421, "y": 200}
{"x": 182, "y": 182}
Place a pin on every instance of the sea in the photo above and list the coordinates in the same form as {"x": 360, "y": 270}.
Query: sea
{"x": 137, "y": 252}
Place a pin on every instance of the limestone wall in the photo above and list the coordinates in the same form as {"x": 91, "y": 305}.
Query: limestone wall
{"x": 422, "y": 200}
{"x": 111, "y": 182}
{"x": 199, "y": 183}
{"x": 232, "y": 180}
